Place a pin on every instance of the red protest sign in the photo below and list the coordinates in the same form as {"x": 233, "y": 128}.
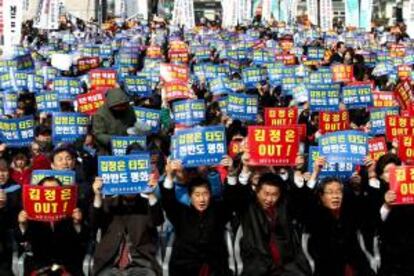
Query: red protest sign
{"x": 397, "y": 51}
{"x": 89, "y": 103}
{"x": 287, "y": 59}
{"x": 178, "y": 56}
{"x": 281, "y": 116}
{"x": 235, "y": 147}
{"x": 403, "y": 93}
{"x": 87, "y": 63}
{"x": 396, "y": 126}
{"x": 273, "y": 146}
{"x": 404, "y": 72}
{"x": 175, "y": 90}
{"x": 333, "y": 121}
{"x": 406, "y": 149}
{"x": 402, "y": 183}
{"x": 174, "y": 72}
{"x": 154, "y": 52}
{"x": 342, "y": 73}
{"x": 102, "y": 78}
{"x": 377, "y": 147}
{"x": 384, "y": 99}
{"x": 49, "y": 203}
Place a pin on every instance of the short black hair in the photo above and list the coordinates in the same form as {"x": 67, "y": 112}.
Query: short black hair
{"x": 270, "y": 179}
{"x": 198, "y": 182}
{"x": 43, "y": 130}
{"x": 49, "y": 178}
{"x": 325, "y": 181}
{"x": 63, "y": 148}
{"x": 384, "y": 161}
{"x": 134, "y": 148}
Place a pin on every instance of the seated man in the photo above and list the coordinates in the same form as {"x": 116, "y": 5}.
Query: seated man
{"x": 56, "y": 245}
{"x": 129, "y": 235}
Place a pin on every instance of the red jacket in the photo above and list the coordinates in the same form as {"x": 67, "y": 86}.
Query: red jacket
{"x": 21, "y": 178}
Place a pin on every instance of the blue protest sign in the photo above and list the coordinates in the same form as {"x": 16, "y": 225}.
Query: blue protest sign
{"x": 344, "y": 146}
{"x": 19, "y": 80}
{"x": 138, "y": 86}
{"x": 377, "y": 119}
{"x": 91, "y": 51}
{"x": 67, "y": 88}
{"x": 342, "y": 170}
{"x": 189, "y": 112}
{"x": 219, "y": 86}
{"x": 199, "y": 146}
{"x": 48, "y": 73}
{"x": 34, "y": 83}
{"x": 235, "y": 85}
{"x": 128, "y": 59}
{"x": 277, "y": 72}
{"x": 68, "y": 126}
{"x": 120, "y": 143}
{"x": 357, "y": 96}
{"x": 9, "y": 102}
{"x": 105, "y": 50}
{"x": 242, "y": 106}
{"x": 125, "y": 174}
{"x": 323, "y": 75}
{"x": 315, "y": 53}
{"x": 66, "y": 177}
{"x": 17, "y": 132}
{"x": 253, "y": 76}
{"x": 148, "y": 118}
{"x": 6, "y": 81}
{"x": 323, "y": 97}
{"x": 201, "y": 52}
{"x": 261, "y": 57}
{"x": 47, "y": 101}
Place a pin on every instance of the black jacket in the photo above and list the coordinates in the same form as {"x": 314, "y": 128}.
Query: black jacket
{"x": 199, "y": 237}
{"x": 119, "y": 217}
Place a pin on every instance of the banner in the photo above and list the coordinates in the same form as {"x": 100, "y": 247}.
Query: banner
{"x": 148, "y": 118}
{"x": 365, "y": 15}
{"x": 342, "y": 73}
{"x": 403, "y": 93}
{"x": 342, "y": 170}
{"x": 125, "y": 174}
{"x": 352, "y": 13}
{"x": 12, "y": 20}
{"x": 90, "y": 102}
{"x": 281, "y": 116}
{"x": 189, "y": 112}
{"x": 183, "y": 14}
{"x": 333, "y": 121}
{"x": 174, "y": 72}
{"x": 17, "y": 132}
{"x": 242, "y": 107}
{"x": 69, "y": 126}
{"x": 47, "y": 101}
{"x": 120, "y": 9}
{"x": 323, "y": 97}
{"x": 65, "y": 177}
{"x": 326, "y": 15}
{"x": 357, "y": 96}
{"x": 377, "y": 119}
{"x": 344, "y": 146}
{"x": 100, "y": 78}
{"x": 377, "y": 147}
{"x": 119, "y": 144}
{"x": 175, "y": 90}
{"x": 47, "y": 16}
{"x": 398, "y": 126}
{"x": 401, "y": 182}
{"x": 49, "y": 203}
{"x": 273, "y": 146}
{"x": 267, "y": 10}
{"x": 201, "y": 146}
{"x": 384, "y": 99}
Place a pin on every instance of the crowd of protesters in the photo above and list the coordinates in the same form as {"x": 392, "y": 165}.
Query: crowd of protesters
{"x": 281, "y": 220}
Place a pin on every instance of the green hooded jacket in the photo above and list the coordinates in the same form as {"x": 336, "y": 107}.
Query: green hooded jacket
{"x": 107, "y": 123}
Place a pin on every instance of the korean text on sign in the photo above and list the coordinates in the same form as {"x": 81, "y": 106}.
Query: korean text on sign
{"x": 402, "y": 183}
{"x": 68, "y": 126}
{"x": 344, "y": 146}
{"x": 49, "y": 203}
{"x": 66, "y": 177}
{"x": 17, "y": 132}
{"x": 273, "y": 146}
{"x": 125, "y": 174}
{"x": 199, "y": 146}
{"x": 120, "y": 143}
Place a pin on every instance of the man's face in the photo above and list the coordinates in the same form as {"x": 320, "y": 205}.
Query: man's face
{"x": 342, "y": 49}
{"x": 44, "y": 138}
{"x": 200, "y": 198}
{"x": 332, "y": 196}
{"x": 63, "y": 161}
{"x": 268, "y": 195}
{"x": 4, "y": 176}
